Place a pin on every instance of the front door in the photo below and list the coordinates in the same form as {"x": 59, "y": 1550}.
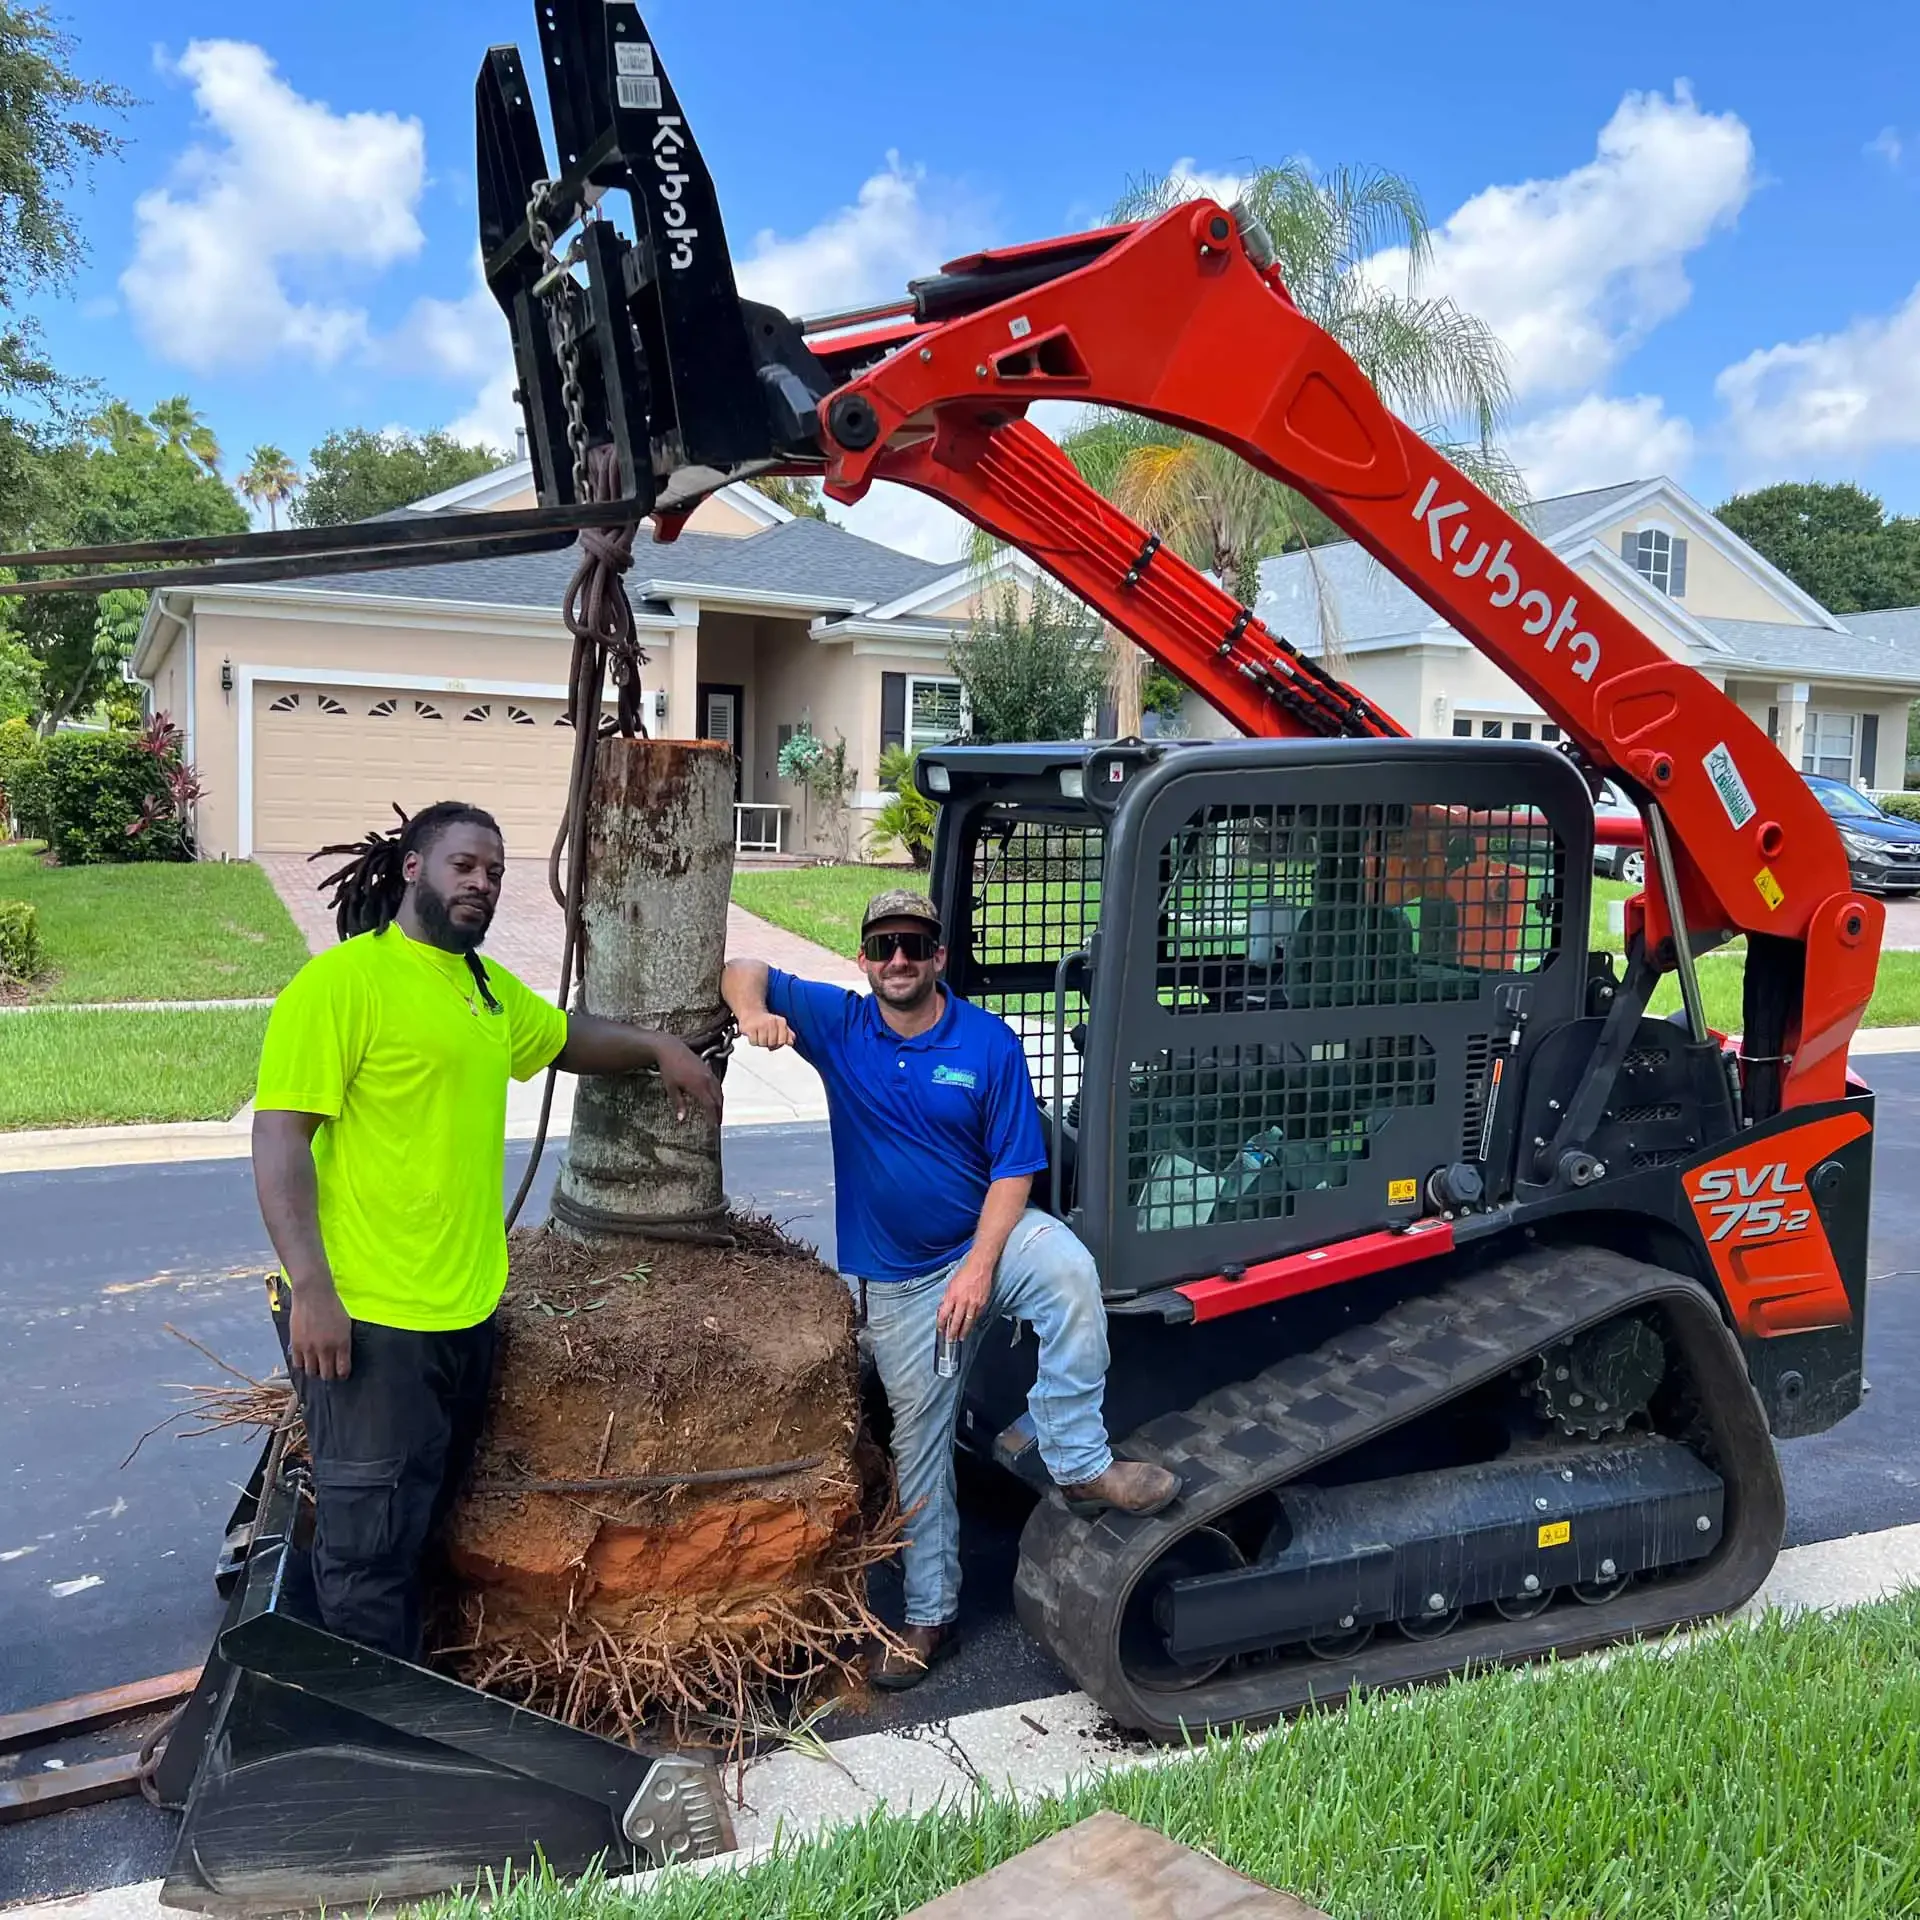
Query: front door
{"x": 720, "y": 720}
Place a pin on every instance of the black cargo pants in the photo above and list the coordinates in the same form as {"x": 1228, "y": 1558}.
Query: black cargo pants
{"x": 391, "y": 1444}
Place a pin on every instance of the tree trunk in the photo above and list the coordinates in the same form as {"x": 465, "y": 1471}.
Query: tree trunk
{"x": 1125, "y": 666}
{"x": 659, "y": 868}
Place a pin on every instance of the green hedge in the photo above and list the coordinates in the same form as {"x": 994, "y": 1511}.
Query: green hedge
{"x": 97, "y": 785}
{"x": 21, "y": 751}
{"x": 1903, "y": 806}
{"x": 22, "y": 956}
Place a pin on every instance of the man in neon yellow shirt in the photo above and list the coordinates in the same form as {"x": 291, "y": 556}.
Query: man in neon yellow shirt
{"x": 379, "y": 1152}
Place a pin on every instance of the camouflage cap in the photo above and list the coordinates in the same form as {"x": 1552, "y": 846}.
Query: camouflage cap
{"x": 899, "y": 903}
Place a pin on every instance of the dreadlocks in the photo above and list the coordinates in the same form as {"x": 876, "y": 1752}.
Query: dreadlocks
{"x": 368, "y": 890}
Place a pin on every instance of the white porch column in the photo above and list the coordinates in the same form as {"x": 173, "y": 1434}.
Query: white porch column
{"x": 1791, "y": 698}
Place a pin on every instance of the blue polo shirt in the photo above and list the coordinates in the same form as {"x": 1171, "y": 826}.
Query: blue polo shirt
{"x": 921, "y": 1127}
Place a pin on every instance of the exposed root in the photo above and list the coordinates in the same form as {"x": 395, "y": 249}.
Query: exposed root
{"x": 267, "y": 1406}
{"x": 726, "y": 1672}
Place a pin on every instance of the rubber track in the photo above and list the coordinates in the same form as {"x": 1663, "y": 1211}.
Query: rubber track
{"x": 1075, "y": 1576}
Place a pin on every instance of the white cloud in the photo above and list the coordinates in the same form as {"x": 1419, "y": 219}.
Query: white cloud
{"x": 861, "y": 253}
{"x": 1828, "y": 401}
{"x": 1596, "y": 442}
{"x": 1887, "y": 145}
{"x": 908, "y": 521}
{"x": 1573, "y": 272}
{"x": 285, "y": 188}
{"x": 1193, "y": 181}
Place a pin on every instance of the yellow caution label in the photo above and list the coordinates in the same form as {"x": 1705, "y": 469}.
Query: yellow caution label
{"x": 1400, "y": 1192}
{"x": 1770, "y": 890}
{"x": 1556, "y": 1533}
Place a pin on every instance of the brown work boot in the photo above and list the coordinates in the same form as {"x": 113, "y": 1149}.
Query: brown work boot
{"x": 1131, "y": 1486}
{"x": 894, "y": 1671}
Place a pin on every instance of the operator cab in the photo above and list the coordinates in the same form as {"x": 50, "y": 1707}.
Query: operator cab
{"x": 1265, "y": 986}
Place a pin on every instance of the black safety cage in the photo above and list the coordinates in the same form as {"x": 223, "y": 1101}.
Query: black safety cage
{"x": 1264, "y": 987}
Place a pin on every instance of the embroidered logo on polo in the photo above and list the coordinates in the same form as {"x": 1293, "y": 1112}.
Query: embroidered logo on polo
{"x": 954, "y": 1077}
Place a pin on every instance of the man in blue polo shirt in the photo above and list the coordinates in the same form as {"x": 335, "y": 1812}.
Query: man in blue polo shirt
{"x": 936, "y": 1140}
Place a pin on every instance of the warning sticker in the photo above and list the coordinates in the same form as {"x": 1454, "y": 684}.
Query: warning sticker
{"x": 1400, "y": 1192}
{"x": 632, "y": 56}
{"x": 1728, "y": 785}
{"x": 638, "y": 92}
{"x": 1556, "y": 1533}
{"x": 1770, "y": 889}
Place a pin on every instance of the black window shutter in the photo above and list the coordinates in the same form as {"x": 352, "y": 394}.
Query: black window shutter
{"x": 1773, "y": 725}
{"x": 1869, "y": 746}
{"x": 893, "y": 710}
{"x": 1677, "y": 571}
{"x": 1630, "y": 550}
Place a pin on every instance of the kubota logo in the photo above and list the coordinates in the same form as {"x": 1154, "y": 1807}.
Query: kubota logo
{"x": 1748, "y": 1204}
{"x": 668, "y": 142}
{"x": 1504, "y": 585}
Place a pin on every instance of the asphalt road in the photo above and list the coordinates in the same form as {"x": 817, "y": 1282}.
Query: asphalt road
{"x": 104, "y": 1567}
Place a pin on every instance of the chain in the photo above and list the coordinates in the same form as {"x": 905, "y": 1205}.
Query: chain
{"x": 556, "y": 286}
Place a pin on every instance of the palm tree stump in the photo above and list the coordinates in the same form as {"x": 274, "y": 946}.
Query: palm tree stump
{"x": 653, "y": 933}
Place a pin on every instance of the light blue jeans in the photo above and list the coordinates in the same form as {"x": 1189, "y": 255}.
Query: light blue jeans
{"x": 1046, "y": 1278}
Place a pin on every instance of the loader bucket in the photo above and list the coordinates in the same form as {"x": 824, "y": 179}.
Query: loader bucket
{"x": 315, "y": 1772}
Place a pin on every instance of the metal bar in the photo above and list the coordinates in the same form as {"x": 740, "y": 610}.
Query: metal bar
{"x": 86, "y": 1711}
{"x": 354, "y": 535}
{"x": 297, "y": 567}
{"x": 81, "y": 1786}
{"x": 853, "y": 317}
{"x": 1662, "y": 850}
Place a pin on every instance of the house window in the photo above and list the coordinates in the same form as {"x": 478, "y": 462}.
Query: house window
{"x": 328, "y": 704}
{"x": 427, "y": 710}
{"x": 1491, "y": 729}
{"x": 1523, "y": 729}
{"x": 1827, "y": 745}
{"x": 480, "y": 714}
{"x": 519, "y": 717}
{"x": 383, "y": 709}
{"x": 1463, "y": 729}
{"x": 1658, "y": 557}
{"x": 1549, "y": 732}
{"x": 286, "y": 703}
{"x": 935, "y": 712}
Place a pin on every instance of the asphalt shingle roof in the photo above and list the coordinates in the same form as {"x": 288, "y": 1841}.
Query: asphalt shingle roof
{"x": 807, "y": 557}
{"x": 1369, "y": 603}
{"x": 1811, "y": 651}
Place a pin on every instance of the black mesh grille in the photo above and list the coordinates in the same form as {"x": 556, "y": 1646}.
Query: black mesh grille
{"x": 1036, "y": 898}
{"x": 1352, "y": 905}
{"x": 1646, "y": 1114}
{"x": 1239, "y": 1133}
{"x": 1483, "y": 1049}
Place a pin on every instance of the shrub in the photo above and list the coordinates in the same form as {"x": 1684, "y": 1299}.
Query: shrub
{"x": 1037, "y": 675}
{"x": 21, "y": 954}
{"x": 23, "y": 778}
{"x": 1903, "y": 806}
{"x": 118, "y": 796}
{"x": 905, "y": 822}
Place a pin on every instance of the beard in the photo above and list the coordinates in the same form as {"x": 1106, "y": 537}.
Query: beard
{"x": 442, "y": 929}
{"x": 908, "y": 993}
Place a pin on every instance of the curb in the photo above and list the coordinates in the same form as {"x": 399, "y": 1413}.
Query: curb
{"x": 1040, "y": 1747}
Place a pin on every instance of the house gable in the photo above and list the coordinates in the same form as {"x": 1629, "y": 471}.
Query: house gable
{"x": 1726, "y": 578}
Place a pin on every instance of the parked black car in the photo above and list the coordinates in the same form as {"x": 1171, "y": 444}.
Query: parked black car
{"x": 1883, "y": 853}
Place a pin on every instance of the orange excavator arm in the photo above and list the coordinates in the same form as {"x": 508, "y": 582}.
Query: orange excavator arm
{"x": 1182, "y": 320}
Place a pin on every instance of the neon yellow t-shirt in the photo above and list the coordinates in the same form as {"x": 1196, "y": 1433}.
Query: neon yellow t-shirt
{"x": 391, "y": 1041}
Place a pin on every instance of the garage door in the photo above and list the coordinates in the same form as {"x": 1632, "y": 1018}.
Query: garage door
{"x": 329, "y": 762}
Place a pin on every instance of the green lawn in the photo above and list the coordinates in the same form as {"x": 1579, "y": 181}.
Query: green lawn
{"x": 208, "y": 931}
{"x": 1759, "y": 1774}
{"x": 61, "y": 1068}
{"x": 821, "y": 904}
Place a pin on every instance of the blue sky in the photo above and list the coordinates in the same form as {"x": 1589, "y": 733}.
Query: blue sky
{"x": 1697, "y": 226}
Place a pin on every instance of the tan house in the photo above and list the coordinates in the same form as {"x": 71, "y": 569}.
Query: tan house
{"x": 1833, "y": 692}
{"x": 309, "y": 706}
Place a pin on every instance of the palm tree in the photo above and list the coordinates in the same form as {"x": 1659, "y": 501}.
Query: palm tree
{"x": 270, "y": 477}
{"x": 122, "y": 427}
{"x": 182, "y": 426}
{"x": 1431, "y": 362}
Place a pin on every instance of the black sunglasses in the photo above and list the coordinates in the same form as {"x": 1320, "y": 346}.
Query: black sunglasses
{"x": 918, "y": 947}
